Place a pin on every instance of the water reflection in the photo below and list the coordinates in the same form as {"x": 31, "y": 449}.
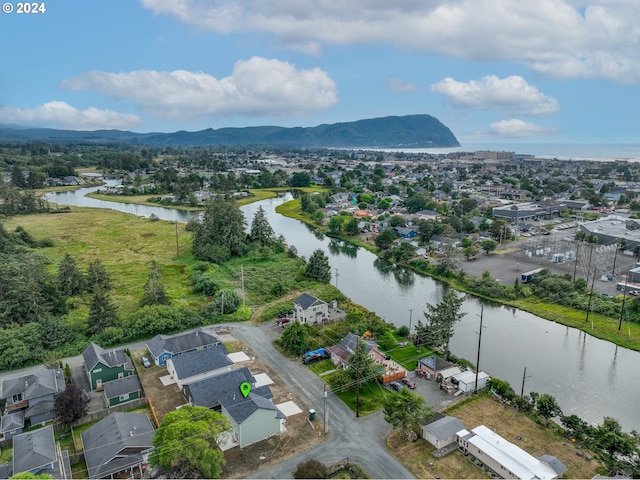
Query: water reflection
{"x": 337, "y": 247}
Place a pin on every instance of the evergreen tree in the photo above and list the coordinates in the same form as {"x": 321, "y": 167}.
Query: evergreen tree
{"x": 261, "y": 231}
{"x": 154, "y": 293}
{"x": 295, "y": 339}
{"x": 17, "y": 178}
{"x": 406, "y": 409}
{"x": 70, "y": 279}
{"x": 221, "y": 232}
{"x": 98, "y": 277}
{"x": 102, "y": 312}
{"x": 441, "y": 319}
{"x": 318, "y": 267}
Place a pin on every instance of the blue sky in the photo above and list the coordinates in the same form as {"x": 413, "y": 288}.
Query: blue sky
{"x": 562, "y": 71}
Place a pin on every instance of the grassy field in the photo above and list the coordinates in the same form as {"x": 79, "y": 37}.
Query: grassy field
{"x": 125, "y": 244}
{"x": 506, "y": 422}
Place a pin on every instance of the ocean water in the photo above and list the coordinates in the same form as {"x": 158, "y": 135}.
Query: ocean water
{"x": 563, "y": 151}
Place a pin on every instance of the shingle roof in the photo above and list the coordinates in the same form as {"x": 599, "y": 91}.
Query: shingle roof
{"x": 224, "y": 389}
{"x": 181, "y": 343}
{"x": 11, "y": 421}
{"x": 241, "y": 409}
{"x": 554, "y": 462}
{"x": 112, "y": 358}
{"x": 444, "y": 427}
{"x": 45, "y": 382}
{"x": 201, "y": 361}
{"x": 40, "y": 407}
{"x": 120, "y": 386}
{"x": 118, "y": 432}
{"x": 435, "y": 363}
{"x": 349, "y": 343}
{"x": 305, "y": 301}
{"x": 33, "y": 450}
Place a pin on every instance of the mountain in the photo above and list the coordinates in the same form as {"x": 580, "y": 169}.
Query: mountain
{"x": 411, "y": 131}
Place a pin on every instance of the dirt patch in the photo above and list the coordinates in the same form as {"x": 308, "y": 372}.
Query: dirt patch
{"x": 300, "y": 435}
{"x": 161, "y": 399}
{"x": 506, "y": 422}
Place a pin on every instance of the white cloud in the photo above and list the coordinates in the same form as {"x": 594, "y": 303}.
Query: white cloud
{"x": 62, "y": 115}
{"x": 512, "y": 95}
{"x": 257, "y": 86}
{"x": 398, "y": 85}
{"x": 515, "y": 128}
{"x": 560, "y": 38}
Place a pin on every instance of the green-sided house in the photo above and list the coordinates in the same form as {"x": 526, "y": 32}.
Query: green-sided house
{"x": 105, "y": 365}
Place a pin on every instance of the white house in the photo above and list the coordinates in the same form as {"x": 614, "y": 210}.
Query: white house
{"x": 309, "y": 309}
{"x": 442, "y": 431}
{"x": 506, "y": 459}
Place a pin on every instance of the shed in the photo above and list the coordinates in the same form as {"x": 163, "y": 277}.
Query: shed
{"x": 442, "y": 432}
{"x": 466, "y": 381}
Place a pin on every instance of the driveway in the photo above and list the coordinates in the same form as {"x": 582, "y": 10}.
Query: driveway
{"x": 360, "y": 439}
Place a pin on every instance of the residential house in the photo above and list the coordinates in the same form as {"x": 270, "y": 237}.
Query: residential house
{"x": 506, "y": 459}
{"x": 164, "y": 347}
{"x": 105, "y": 365}
{"x": 122, "y": 390}
{"x": 11, "y": 424}
{"x": 199, "y": 364}
{"x": 35, "y": 452}
{"x": 309, "y": 309}
{"x": 120, "y": 442}
{"x": 340, "y": 353}
{"x": 392, "y": 371}
{"x": 435, "y": 368}
{"x": 253, "y": 418}
{"x": 34, "y": 394}
{"x": 441, "y": 431}
{"x": 406, "y": 232}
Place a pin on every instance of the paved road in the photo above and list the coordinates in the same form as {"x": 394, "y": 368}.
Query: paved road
{"x": 359, "y": 439}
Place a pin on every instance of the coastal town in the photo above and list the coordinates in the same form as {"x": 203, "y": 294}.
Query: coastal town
{"x": 472, "y": 212}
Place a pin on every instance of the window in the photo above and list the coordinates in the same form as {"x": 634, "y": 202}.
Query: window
{"x": 124, "y": 397}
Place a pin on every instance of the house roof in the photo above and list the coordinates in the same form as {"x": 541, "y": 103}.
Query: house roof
{"x": 40, "y": 407}
{"x": 435, "y": 363}
{"x": 34, "y": 450}
{"x": 201, "y": 361}
{"x": 224, "y": 389}
{"x": 95, "y": 354}
{"x": 181, "y": 343}
{"x": 305, "y": 301}
{"x": 554, "y": 462}
{"x": 340, "y": 352}
{"x": 116, "y": 435}
{"x": 444, "y": 427}
{"x": 44, "y": 382}
{"x": 241, "y": 409}
{"x": 6, "y": 470}
{"x": 11, "y": 421}
{"x": 349, "y": 342}
{"x": 120, "y": 386}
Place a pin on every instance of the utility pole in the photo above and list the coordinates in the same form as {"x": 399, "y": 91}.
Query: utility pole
{"x": 624, "y": 299}
{"x": 326, "y": 419}
{"x": 575, "y": 266}
{"x": 479, "y": 343}
{"x": 357, "y": 376}
{"x": 524, "y": 375}
{"x": 410, "y": 316}
{"x": 593, "y": 280}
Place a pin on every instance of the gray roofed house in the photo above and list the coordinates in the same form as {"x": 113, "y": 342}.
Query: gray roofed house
{"x": 254, "y": 418}
{"x": 199, "y": 364}
{"x": 34, "y": 393}
{"x": 163, "y": 347}
{"x": 340, "y": 353}
{"x": 119, "y": 442}
{"x": 442, "y": 431}
{"x": 35, "y": 452}
{"x": 122, "y": 390}
{"x": 554, "y": 463}
{"x": 309, "y": 309}
{"x": 12, "y": 424}
{"x": 105, "y": 365}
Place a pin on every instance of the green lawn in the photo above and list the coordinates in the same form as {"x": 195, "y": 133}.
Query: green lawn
{"x": 371, "y": 395}
{"x": 6, "y": 455}
{"x": 322, "y": 366}
{"x": 408, "y": 355}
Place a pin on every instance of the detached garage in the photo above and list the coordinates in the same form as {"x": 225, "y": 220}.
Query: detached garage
{"x": 442, "y": 432}
{"x": 466, "y": 381}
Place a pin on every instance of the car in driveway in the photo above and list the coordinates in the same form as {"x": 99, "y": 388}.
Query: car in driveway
{"x": 409, "y": 383}
{"x": 145, "y": 362}
{"x": 395, "y": 386}
{"x": 282, "y": 321}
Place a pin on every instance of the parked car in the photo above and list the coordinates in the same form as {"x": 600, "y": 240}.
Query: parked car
{"x": 409, "y": 383}
{"x": 395, "y": 386}
{"x": 282, "y": 321}
{"x": 145, "y": 362}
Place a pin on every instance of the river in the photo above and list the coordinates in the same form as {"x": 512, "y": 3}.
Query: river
{"x": 588, "y": 377}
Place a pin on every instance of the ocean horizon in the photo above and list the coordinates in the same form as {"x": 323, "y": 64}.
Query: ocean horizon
{"x": 604, "y": 152}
